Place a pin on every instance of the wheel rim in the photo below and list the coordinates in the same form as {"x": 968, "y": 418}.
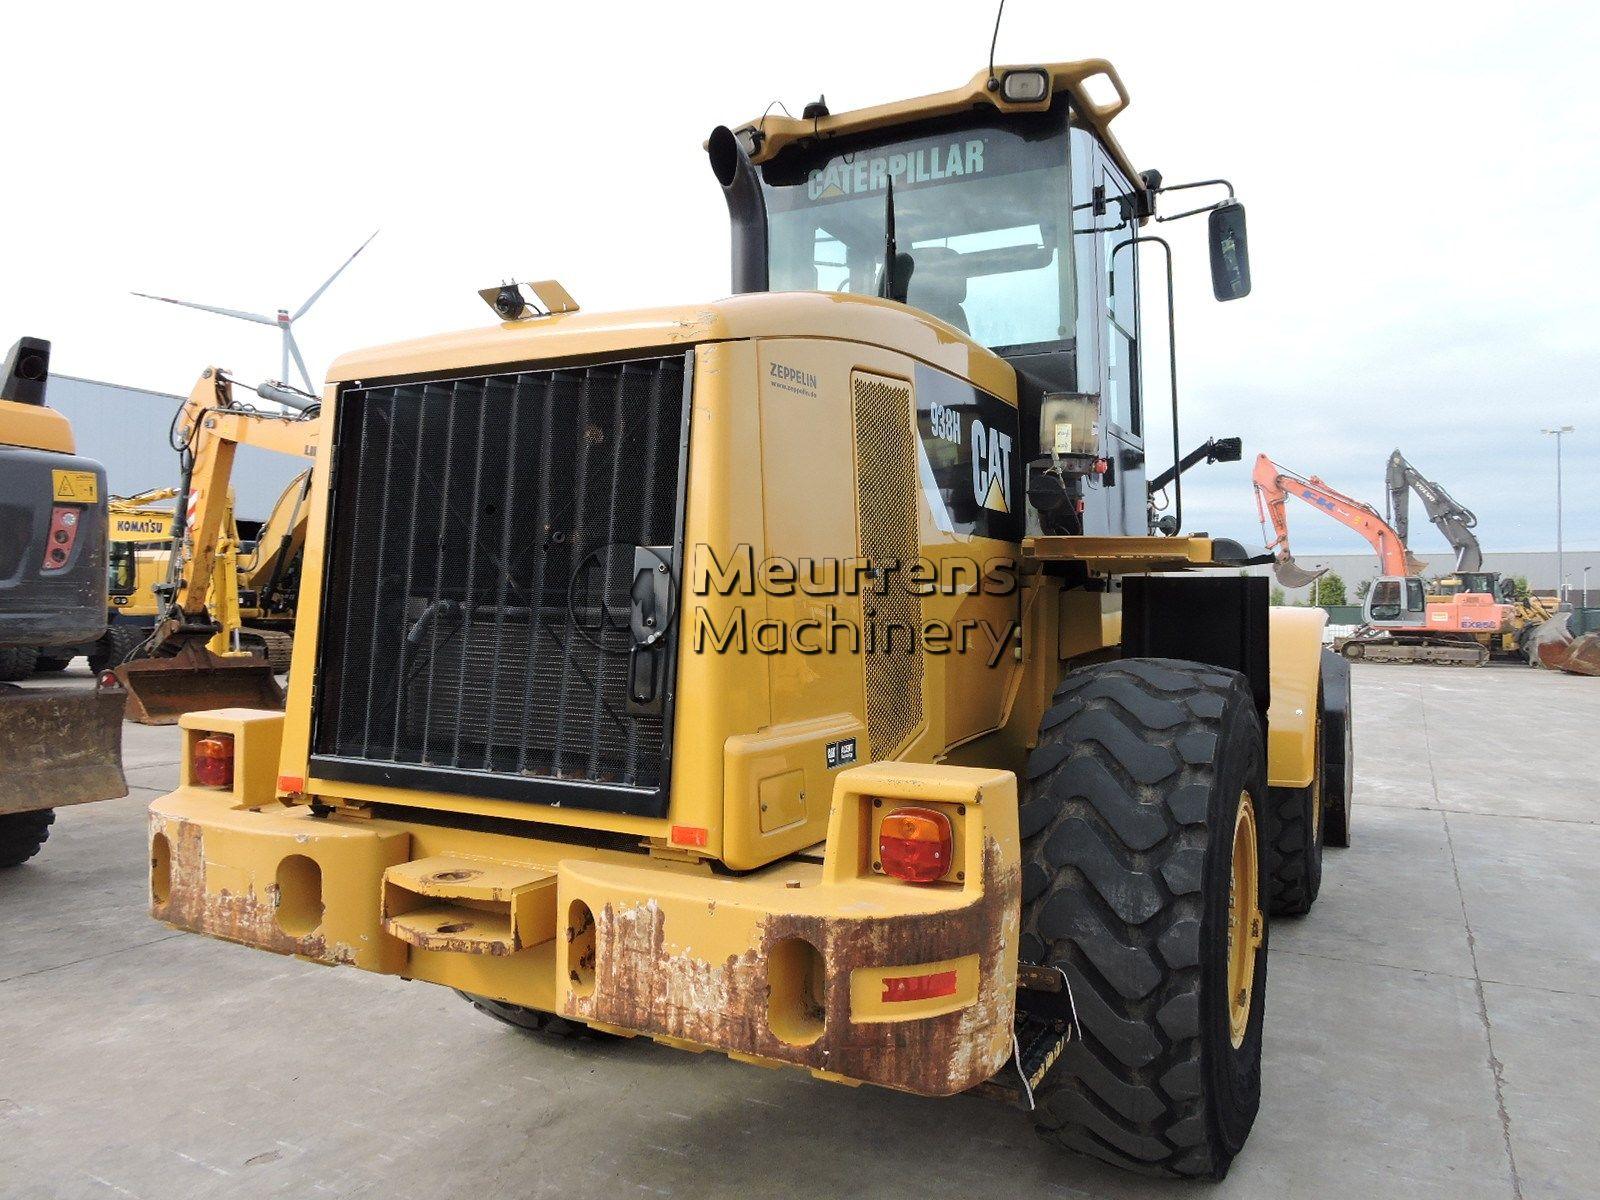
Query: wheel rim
{"x": 1317, "y": 773}
{"x": 1244, "y": 921}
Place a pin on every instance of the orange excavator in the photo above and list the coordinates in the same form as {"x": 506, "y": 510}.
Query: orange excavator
{"x": 1402, "y": 622}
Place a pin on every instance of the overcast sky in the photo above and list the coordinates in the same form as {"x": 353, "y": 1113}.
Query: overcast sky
{"x": 1421, "y": 182}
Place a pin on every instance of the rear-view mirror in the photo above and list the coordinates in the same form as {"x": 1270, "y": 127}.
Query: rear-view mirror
{"x": 1230, "y": 252}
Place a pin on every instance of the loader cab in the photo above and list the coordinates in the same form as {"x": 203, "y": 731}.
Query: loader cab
{"x": 1396, "y": 602}
{"x": 1011, "y": 226}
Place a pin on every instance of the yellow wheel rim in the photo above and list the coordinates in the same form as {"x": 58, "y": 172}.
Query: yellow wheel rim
{"x": 1244, "y": 920}
{"x": 1316, "y": 788}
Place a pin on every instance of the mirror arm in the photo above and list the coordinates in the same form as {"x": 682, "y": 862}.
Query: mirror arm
{"x": 1180, "y": 187}
{"x": 1172, "y": 366}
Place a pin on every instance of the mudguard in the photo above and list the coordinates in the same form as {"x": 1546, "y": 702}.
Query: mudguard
{"x": 1295, "y": 663}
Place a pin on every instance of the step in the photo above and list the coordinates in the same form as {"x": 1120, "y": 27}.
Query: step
{"x": 469, "y": 906}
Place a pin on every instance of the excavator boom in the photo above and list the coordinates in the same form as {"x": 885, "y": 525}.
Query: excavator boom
{"x": 175, "y": 671}
{"x": 1453, "y": 519}
{"x": 1274, "y": 485}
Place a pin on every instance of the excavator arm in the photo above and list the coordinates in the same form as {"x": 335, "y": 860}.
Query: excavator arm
{"x": 1454, "y": 520}
{"x": 1274, "y": 485}
{"x": 174, "y": 672}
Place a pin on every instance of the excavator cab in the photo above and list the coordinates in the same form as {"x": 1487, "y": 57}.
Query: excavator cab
{"x": 1396, "y": 602}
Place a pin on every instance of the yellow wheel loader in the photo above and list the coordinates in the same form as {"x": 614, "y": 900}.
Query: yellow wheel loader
{"x": 809, "y": 675}
{"x": 58, "y": 746}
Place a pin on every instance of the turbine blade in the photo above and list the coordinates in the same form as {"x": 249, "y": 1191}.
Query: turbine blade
{"x": 221, "y": 312}
{"x": 301, "y": 363}
{"x": 301, "y": 311}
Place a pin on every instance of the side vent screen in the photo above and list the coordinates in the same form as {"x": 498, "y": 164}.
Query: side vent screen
{"x": 886, "y": 499}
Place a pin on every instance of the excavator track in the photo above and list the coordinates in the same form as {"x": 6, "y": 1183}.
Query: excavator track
{"x": 276, "y": 647}
{"x": 1443, "y": 653}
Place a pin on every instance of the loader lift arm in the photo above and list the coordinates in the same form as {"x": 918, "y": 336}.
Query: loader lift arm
{"x": 1453, "y": 519}
{"x": 174, "y": 671}
{"x": 1274, "y": 485}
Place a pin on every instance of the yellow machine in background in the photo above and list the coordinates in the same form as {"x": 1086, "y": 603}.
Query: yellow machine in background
{"x": 809, "y": 675}
{"x": 224, "y": 614}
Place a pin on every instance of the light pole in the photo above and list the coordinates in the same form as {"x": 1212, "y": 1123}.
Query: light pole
{"x": 1561, "y": 579}
{"x": 1586, "y": 587}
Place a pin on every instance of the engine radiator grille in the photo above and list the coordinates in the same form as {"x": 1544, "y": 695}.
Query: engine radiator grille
{"x": 484, "y": 540}
{"x": 886, "y": 490}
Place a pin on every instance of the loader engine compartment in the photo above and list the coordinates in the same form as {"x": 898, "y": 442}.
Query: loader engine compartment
{"x": 488, "y": 625}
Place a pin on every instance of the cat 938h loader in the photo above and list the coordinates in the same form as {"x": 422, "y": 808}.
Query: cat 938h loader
{"x": 809, "y": 675}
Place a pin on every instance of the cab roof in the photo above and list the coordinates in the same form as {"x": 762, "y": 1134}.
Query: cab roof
{"x": 775, "y": 132}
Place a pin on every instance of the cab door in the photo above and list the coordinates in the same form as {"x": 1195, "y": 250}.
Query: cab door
{"x": 1107, "y": 334}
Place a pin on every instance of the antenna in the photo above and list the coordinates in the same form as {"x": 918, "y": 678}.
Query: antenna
{"x": 993, "y": 42}
{"x": 284, "y": 319}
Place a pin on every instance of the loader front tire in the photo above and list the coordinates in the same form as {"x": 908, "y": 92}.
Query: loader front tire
{"x": 1294, "y": 831}
{"x": 17, "y": 663}
{"x": 23, "y": 834}
{"x": 1143, "y": 868}
{"x": 1338, "y": 751}
{"x": 546, "y": 1024}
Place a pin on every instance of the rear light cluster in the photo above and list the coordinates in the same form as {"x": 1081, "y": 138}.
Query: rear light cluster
{"x": 914, "y": 845}
{"x": 63, "y": 535}
{"x": 213, "y": 760}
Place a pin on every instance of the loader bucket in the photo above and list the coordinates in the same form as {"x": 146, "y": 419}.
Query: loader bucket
{"x": 160, "y": 690}
{"x": 59, "y": 747}
{"x": 1581, "y": 656}
{"x": 1552, "y": 636}
{"x": 1292, "y": 575}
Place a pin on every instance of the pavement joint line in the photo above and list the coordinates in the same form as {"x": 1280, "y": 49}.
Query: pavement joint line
{"x": 1472, "y": 812}
{"x": 1496, "y": 1067}
{"x": 1389, "y": 966}
{"x": 92, "y": 957}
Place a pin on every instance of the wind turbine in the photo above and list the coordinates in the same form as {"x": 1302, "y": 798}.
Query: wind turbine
{"x": 284, "y": 320}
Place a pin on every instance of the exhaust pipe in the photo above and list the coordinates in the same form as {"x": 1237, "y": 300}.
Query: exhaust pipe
{"x": 747, "y": 209}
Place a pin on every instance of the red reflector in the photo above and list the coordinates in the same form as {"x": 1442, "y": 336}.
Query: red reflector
{"x": 294, "y": 784}
{"x": 63, "y": 533}
{"x": 919, "y": 987}
{"x": 690, "y": 835}
{"x": 213, "y": 760}
{"x": 914, "y": 844}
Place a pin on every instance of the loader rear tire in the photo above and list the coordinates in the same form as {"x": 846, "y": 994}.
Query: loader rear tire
{"x": 1294, "y": 835}
{"x": 547, "y": 1024}
{"x": 17, "y": 662}
{"x": 22, "y": 834}
{"x": 1141, "y": 848}
{"x": 114, "y": 647}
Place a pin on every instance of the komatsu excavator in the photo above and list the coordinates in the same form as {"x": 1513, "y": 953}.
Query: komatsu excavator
{"x": 226, "y": 611}
{"x": 1402, "y": 622}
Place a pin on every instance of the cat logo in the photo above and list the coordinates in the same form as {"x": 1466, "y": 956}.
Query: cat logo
{"x": 991, "y": 468}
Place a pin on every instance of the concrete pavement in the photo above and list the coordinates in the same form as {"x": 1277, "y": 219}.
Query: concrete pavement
{"x": 1433, "y": 1026}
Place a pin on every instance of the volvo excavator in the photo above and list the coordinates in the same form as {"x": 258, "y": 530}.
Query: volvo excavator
{"x": 1536, "y": 629}
{"x": 225, "y": 613}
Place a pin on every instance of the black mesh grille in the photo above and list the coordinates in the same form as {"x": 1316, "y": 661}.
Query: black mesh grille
{"x": 484, "y": 547}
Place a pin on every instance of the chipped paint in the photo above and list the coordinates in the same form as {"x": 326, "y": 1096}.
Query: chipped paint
{"x": 236, "y": 914}
{"x": 643, "y": 983}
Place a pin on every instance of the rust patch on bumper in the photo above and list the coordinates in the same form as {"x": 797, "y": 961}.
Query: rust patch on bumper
{"x": 641, "y": 985}
{"x": 243, "y": 915}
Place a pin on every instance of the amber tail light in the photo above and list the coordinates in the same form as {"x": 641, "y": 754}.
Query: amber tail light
{"x": 914, "y": 844}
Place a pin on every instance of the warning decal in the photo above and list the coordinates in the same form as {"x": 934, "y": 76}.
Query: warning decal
{"x": 75, "y": 487}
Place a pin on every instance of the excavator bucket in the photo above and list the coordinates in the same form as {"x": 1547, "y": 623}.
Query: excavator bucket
{"x": 1292, "y": 575}
{"x": 59, "y": 747}
{"x": 160, "y": 690}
